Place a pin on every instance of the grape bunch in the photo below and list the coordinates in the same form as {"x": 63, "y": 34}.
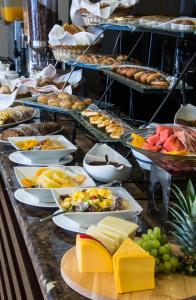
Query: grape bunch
{"x": 157, "y": 245}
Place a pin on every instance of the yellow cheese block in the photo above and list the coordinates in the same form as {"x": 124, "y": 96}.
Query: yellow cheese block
{"x": 110, "y": 243}
{"x": 92, "y": 256}
{"x": 123, "y": 227}
{"x": 133, "y": 268}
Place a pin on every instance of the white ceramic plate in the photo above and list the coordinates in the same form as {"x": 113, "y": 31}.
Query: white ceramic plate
{"x": 37, "y": 156}
{"x": 67, "y": 224}
{"x": 28, "y": 196}
{"x": 18, "y": 158}
{"x": 85, "y": 219}
{"x": 22, "y": 172}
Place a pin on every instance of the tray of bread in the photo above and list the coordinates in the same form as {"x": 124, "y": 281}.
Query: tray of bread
{"x": 31, "y": 129}
{"x": 60, "y": 102}
{"x": 16, "y": 115}
{"x": 105, "y": 126}
{"x": 140, "y": 78}
{"x": 98, "y": 59}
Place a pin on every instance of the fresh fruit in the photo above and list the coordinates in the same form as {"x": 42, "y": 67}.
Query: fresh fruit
{"x": 53, "y": 178}
{"x": 184, "y": 226}
{"x": 157, "y": 245}
{"x": 166, "y": 140}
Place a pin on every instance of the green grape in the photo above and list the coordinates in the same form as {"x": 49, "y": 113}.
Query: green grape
{"x": 166, "y": 257}
{"x": 139, "y": 242}
{"x": 157, "y": 230}
{"x": 149, "y": 231}
{"x": 157, "y": 236}
{"x": 157, "y": 261}
{"x": 145, "y": 237}
{"x": 174, "y": 261}
{"x": 167, "y": 266}
{"x": 168, "y": 247}
{"x": 154, "y": 252}
{"x": 163, "y": 239}
{"x": 163, "y": 249}
{"x": 161, "y": 267}
{"x": 146, "y": 245}
{"x": 156, "y": 244}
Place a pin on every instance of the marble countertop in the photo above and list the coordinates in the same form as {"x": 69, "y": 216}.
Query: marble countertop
{"x": 46, "y": 243}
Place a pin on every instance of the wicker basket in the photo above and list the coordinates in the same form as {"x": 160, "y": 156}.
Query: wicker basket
{"x": 66, "y": 53}
{"x": 90, "y": 19}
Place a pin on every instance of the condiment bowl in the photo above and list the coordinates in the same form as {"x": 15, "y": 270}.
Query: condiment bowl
{"x": 106, "y": 172}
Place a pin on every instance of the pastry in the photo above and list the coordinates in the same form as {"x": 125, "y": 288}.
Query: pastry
{"x": 72, "y": 29}
{"x": 90, "y": 113}
{"x": 143, "y": 78}
{"x": 78, "y": 105}
{"x": 43, "y": 99}
{"x": 15, "y": 114}
{"x": 5, "y": 90}
{"x": 45, "y": 81}
{"x": 53, "y": 101}
{"x": 64, "y": 96}
{"x": 88, "y": 101}
{"x": 65, "y": 103}
{"x": 31, "y": 130}
{"x": 138, "y": 75}
{"x": 152, "y": 77}
{"x": 160, "y": 82}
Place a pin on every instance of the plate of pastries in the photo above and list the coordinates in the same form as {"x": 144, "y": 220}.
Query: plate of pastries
{"x": 65, "y": 101}
{"x": 15, "y": 115}
{"x": 48, "y": 81}
{"x": 97, "y": 59}
{"x": 31, "y": 129}
{"x": 112, "y": 126}
{"x": 147, "y": 77}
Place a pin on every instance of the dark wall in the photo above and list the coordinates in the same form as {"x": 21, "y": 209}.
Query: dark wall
{"x": 165, "y": 7}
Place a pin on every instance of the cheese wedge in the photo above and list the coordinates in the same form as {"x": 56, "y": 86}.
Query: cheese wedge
{"x": 110, "y": 243}
{"x": 133, "y": 268}
{"x": 92, "y": 256}
{"x": 123, "y": 227}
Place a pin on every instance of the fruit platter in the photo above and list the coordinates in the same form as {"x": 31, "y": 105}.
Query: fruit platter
{"x": 172, "y": 148}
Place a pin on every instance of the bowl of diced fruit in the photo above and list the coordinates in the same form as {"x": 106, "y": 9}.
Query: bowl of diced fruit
{"x": 87, "y": 206}
{"x": 171, "y": 147}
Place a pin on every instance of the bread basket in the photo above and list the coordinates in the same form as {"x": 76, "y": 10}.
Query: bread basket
{"x": 65, "y": 53}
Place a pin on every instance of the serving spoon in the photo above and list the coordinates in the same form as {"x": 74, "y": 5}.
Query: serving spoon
{"x": 81, "y": 207}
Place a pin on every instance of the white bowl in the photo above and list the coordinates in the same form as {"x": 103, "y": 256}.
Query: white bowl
{"x": 85, "y": 219}
{"x": 22, "y": 172}
{"x": 106, "y": 173}
{"x": 186, "y": 112}
{"x": 42, "y": 155}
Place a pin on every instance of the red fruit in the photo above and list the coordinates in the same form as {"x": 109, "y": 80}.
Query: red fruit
{"x": 160, "y": 128}
{"x": 164, "y": 134}
{"x": 173, "y": 144}
{"x": 153, "y": 139}
{"x": 85, "y": 236}
{"x": 149, "y": 147}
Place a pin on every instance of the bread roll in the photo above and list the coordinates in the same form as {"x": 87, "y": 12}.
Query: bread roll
{"x": 65, "y": 103}
{"x": 5, "y": 90}
{"x": 153, "y": 76}
{"x": 43, "y": 99}
{"x": 53, "y": 101}
{"x": 65, "y": 96}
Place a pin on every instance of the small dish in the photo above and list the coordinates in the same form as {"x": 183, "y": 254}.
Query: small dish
{"x": 36, "y": 197}
{"x": 85, "y": 219}
{"x": 67, "y": 224}
{"x": 186, "y": 115}
{"x": 22, "y": 172}
{"x": 18, "y": 158}
{"x": 36, "y": 156}
{"x": 106, "y": 173}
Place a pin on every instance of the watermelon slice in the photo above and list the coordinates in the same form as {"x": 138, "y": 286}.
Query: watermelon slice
{"x": 152, "y": 148}
{"x": 153, "y": 139}
{"x": 164, "y": 134}
{"x": 173, "y": 144}
{"x": 160, "y": 128}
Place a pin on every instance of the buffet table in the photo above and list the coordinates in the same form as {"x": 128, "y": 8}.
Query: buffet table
{"x": 32, "y": 251}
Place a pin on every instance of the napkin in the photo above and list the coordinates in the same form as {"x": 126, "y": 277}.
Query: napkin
{"x": 95, "y": 8}
{"x": 6, "y": 100}
{"x": 57, "y": 37}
